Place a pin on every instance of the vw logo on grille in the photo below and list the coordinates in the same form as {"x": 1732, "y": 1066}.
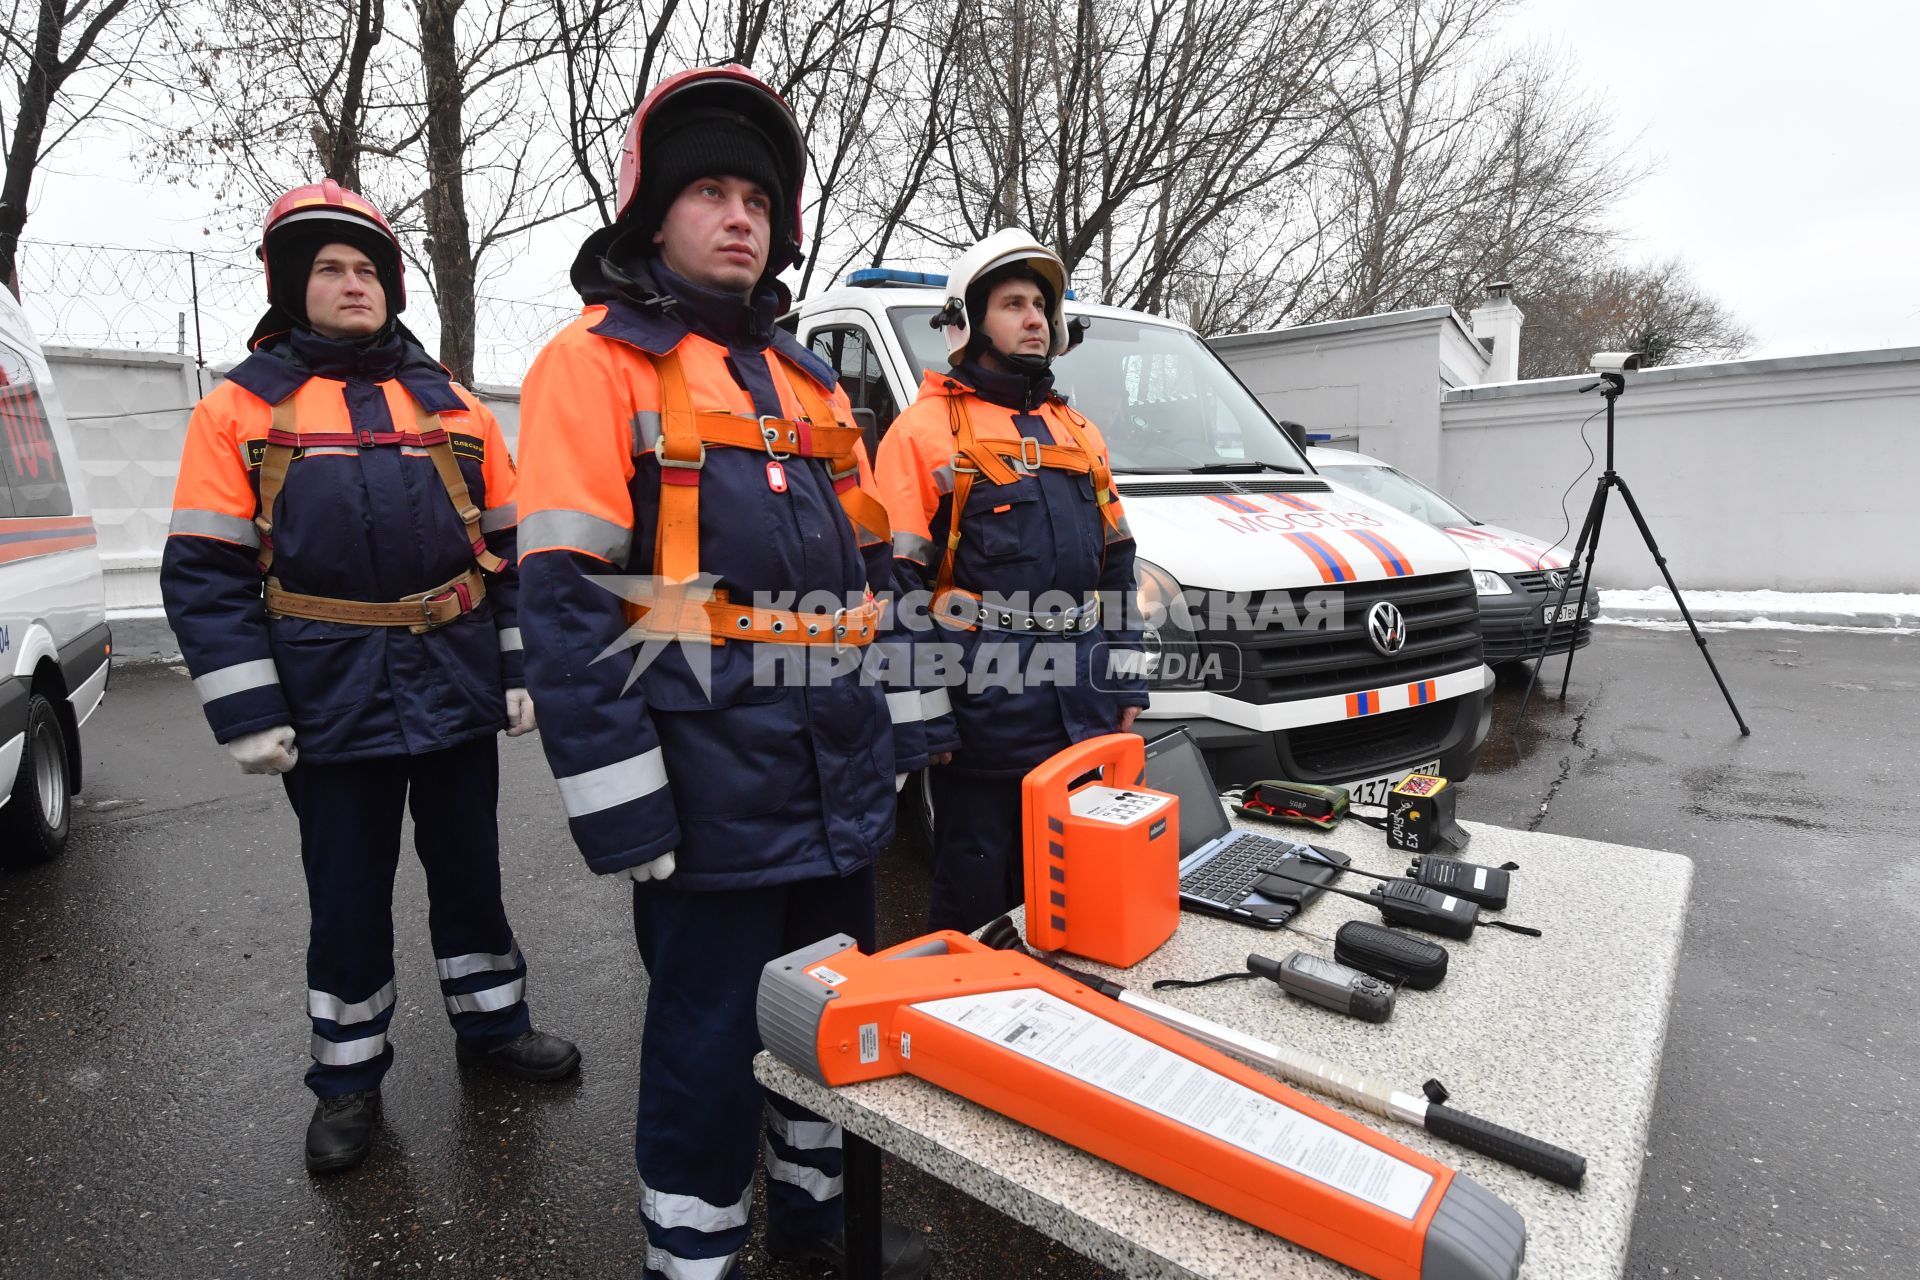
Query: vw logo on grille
{"x": 1386, "y": 628}
{"x": 1556, "y": 579}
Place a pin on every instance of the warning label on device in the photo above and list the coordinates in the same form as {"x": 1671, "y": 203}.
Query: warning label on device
{"x": 1063, "y": 1036}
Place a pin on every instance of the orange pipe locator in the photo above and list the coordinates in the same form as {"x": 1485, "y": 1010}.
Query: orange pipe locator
{"x": 1020, "y": 1038}
{"x": 1102, "y": 860}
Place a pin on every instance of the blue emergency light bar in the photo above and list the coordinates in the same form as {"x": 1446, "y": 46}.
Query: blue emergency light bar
{"x": 880, "y": 277}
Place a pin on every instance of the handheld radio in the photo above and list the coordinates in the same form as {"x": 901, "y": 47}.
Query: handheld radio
{"x": 1484, "y": 885}
{"x": 1413, "y": 905}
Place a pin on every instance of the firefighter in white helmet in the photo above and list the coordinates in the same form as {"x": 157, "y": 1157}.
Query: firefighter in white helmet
{"x": 1002, "y": 504}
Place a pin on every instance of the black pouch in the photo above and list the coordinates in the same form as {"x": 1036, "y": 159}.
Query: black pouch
{"x": 1390, "y": 955}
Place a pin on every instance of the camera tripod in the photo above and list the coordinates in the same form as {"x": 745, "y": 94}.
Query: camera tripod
{"x": 1611, "y": 385}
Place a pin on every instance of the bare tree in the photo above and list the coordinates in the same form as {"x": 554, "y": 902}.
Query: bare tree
{"x": 1468, "y": 168}
{"x": 427, "y": 108}
{"x": 60, "y": 62}
{"x": 1656, "y": 308}
{"x": 1128, "y": 133}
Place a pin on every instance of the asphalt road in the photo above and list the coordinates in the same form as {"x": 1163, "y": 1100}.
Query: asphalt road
{"x": 152, "y": 1029}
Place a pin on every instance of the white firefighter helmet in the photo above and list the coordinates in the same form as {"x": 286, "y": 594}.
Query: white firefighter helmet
{"x": 1001, "y": 249}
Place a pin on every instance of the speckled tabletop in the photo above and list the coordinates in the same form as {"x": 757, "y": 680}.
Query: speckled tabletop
{"x": 1558, "y": 1037}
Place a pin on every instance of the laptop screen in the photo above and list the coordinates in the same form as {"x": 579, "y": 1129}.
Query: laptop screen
{"x": 1176, "y": 766}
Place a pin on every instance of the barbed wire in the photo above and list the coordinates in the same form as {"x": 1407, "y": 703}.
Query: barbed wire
{"x": 204, "y": 303}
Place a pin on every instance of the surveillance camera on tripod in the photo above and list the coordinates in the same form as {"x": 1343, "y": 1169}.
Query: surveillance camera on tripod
{"x": 1613, "y": 368}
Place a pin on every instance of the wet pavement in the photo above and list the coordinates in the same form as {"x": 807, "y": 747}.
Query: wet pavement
{"x": 152, "y": 1028}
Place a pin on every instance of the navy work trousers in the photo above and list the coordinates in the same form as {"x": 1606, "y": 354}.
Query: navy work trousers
{"x": 350, "y": 825}
{"x": 701, "y": 1111}
{"x": 978, "y": 866}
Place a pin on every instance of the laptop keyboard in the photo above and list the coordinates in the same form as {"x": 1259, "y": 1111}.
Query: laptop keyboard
{"x": 1229, "y": 877}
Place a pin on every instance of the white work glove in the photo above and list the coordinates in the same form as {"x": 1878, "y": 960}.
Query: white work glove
{"x": 268, "y": 751}
{"x": 519, "y": 712}
{"x": 899, "y": 782}
{"x": 659, "y": 869}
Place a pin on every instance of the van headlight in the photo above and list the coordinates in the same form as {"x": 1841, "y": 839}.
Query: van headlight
{"x": 1157, "y": 596}
{"x": 1488, "y": 583}
{"x": 1166, "y": 628}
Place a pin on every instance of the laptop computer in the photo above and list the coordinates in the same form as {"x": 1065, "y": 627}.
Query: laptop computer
{"x": 1219, "y": 864}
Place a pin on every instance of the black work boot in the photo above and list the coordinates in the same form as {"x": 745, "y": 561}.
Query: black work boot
{"x": 533, "y": 1055}
{"x": 903, "y": 1253}
{"x": 341, "y": 1131}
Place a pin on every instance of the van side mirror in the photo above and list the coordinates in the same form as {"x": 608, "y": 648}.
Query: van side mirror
{"x": 1295, "y": 432}
{"x": 869, "y": 424}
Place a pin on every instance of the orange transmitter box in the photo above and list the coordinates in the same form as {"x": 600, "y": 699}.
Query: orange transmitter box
{"x": 1102, "y": 858}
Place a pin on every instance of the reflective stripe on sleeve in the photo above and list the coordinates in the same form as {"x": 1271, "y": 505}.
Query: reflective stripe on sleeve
{"x": 646, "y": 432}
{"x": 452, "y": 967}
{"x": 550, "y": 530}
{"x": 322, "y": 1004}
{"x": 1128, "y": 662}
{"x": 344, "y": 1053}
{"x": 238, "y": 678}
{"x": 494, "y": 519}
{"x": 674, "y": 1267}
{"x": 667, "y": 1210}
{"x": 935, "y": 703}
{"x": 804, "y": 1135}
{"x": 904, "y": 707}
{"x": 911, "y": 546}
{"x": 214, "y": 524}
{"x": 504, "y": 996}
{"x": 510, "y": 641}
{"x": 943, "y": 478}
{"x": 819, "y": 1185}
{"x": 614, "y": 784}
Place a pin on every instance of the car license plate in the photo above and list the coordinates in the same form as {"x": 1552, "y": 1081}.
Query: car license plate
{"x": 1567, "y": 612}
{"x": 1374, "y": 790}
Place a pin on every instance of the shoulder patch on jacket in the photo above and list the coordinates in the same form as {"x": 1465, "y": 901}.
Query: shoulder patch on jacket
{"x": 465, "y": 446}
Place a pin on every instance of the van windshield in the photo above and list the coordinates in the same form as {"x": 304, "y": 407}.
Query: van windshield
{"x": 1162, "y": 399}
{"x": 1402, "y": 492}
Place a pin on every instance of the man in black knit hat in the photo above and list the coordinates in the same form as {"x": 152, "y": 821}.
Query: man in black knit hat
{"x": 744, "y": 814}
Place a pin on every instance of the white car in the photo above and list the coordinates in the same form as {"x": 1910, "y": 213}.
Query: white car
{"x": 54, "y": 641}
{"x": 1518, "y": 578}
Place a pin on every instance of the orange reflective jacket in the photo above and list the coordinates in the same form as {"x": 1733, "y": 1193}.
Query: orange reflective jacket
{"x": 363, "y": 516}
{"x": 716, "y": 500}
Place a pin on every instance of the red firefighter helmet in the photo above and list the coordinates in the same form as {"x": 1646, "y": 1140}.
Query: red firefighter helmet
{"x": 353, "y": 215}
{"x": 730, "y": 88}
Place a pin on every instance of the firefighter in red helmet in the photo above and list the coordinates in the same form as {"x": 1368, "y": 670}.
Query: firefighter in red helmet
{"x": 340, "y": 576}
{"x": 690, "y": 473}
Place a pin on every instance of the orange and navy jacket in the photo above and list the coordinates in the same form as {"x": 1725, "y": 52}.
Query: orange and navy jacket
{"x": 1042, "y": 533}
{"x": 362, "y": 516}
{"x": 749, "y": 782}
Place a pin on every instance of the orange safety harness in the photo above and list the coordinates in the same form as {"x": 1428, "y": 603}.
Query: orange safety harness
{"x": 686, "y": 434}
{"x": 420, "y": 612}
{"x": 1005, "y": 461}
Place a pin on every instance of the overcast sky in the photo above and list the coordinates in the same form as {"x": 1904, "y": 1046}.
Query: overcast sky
{"x": 1785, "y": 136}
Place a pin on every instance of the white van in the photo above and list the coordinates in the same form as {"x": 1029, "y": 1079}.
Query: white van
{"x": 54, "y": 642}
{"x": 1326, "y": 638}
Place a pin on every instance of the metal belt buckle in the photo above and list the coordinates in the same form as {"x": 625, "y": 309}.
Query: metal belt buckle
{"x": 1027, "y": 465}
{"x": 839, "y": 628}
{"x": 693, "y": 464}
{"x": 768, "y": 435}
{"x": 427, "y": 603}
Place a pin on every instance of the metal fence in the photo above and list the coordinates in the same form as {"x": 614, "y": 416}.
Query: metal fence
{"x": 205, "y": 303}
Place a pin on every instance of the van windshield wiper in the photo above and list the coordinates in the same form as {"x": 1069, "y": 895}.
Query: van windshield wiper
{"x": 1217, "y": 467}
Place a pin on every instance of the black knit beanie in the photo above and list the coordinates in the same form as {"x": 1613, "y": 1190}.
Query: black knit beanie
{"x": 711, "y": 143}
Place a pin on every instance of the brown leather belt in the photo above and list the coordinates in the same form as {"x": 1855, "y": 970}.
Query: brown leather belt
{"x": 417, "y": 613}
